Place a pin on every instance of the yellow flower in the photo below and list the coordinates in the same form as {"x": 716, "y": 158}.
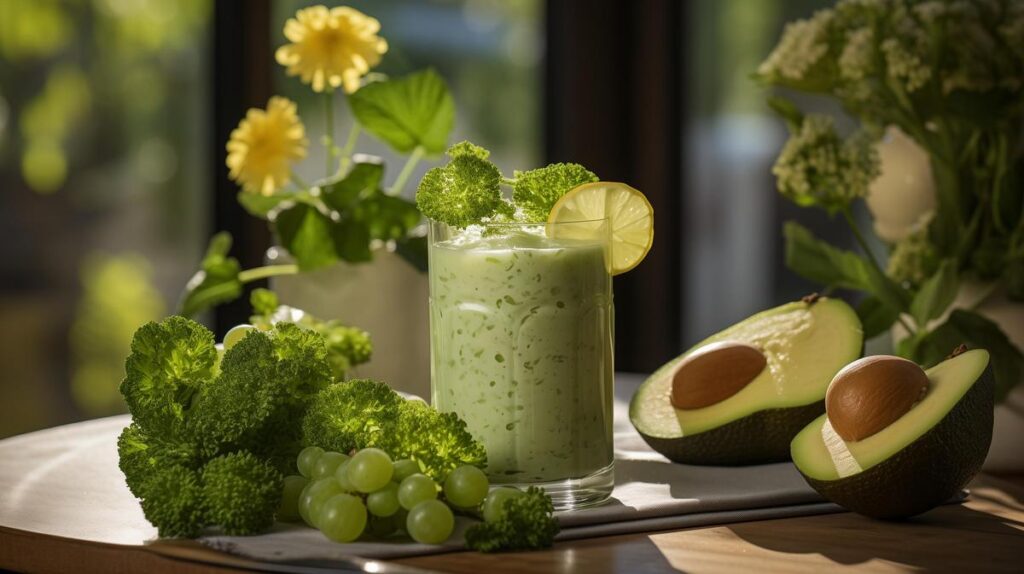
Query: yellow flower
{"x": 331, "y": 47}
{"x": 264, "y": 145}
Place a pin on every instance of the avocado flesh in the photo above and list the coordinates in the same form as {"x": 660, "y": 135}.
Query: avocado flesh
{"x": 805, "y": 344}
{"x": 919, "y": 461}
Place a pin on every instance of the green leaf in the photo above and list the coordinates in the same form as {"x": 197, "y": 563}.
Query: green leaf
{"x": 818, "y": 261}
{"x": 414, "y": 251}
{"x": 307, "y": 235}
{"x": 875, "y": 316}
{"x": 351, "y": 239}
{"x": 882, "y": 286}
{"x": 1007, "y": 361}
{"x": 936, "y": 294}
{"x": 416, "y": 110}
{"x": 930, "y": 348}
{"x": 363, "y": 181}
{"x": 387, "y": 216}
{"x": 261, "y": 205}
{"x": 216, "y": 282}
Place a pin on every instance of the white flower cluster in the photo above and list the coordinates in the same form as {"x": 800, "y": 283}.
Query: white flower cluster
{"x": 817, "y": 167}
{"x": 803, "y": 44}
{"x": 912, "y": 259}
{"x": 861, "y": 49}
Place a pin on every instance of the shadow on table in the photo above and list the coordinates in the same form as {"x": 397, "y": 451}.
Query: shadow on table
{"x": 935, "y": 541}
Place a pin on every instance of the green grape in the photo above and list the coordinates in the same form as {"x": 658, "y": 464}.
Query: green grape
{"x": 382, "y": 526}
{"x": 236, "y": 334}
{"x": 384, "y": 502}
{"x": 370, "y": 469}
{"x": 416, "y": 489}
{"x": 430, "y": 522}
{"x": 342, "y": 518}
{"x": 494, "y": 504}
{"x": 294, "y": 486}
{"x": 313, "y": 497}
{"x": 404, "y": 469}
{"x": 341, "y": 475}
{"x": 307, "y": 460}
{"x": 466, "y": 486}
{"x": 327, "y": 464}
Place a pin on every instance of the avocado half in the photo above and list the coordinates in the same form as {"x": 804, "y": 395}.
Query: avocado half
{"x": 805, "y": 344}
{"x": 919, "y": 461}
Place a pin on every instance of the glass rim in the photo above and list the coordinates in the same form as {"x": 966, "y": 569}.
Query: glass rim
{"x": 521, "y": 223}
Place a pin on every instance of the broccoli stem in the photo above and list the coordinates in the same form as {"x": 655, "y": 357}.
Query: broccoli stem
{"x": 403, "y": 176}
{"x": 257, "y": 273}
{"x": 302, "y": 183}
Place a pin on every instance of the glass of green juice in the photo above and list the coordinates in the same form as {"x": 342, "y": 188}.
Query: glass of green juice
{"x": 521, "y": 348}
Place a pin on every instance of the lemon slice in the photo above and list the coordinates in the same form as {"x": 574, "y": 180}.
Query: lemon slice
{"x": 629, "y": 213}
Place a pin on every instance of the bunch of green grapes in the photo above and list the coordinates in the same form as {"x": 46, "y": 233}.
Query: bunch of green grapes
{"x": 346, "y": 497}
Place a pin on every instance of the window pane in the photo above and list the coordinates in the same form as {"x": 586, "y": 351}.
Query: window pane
{"x": 104, "y": 170}
{"x": 733, "y": 259}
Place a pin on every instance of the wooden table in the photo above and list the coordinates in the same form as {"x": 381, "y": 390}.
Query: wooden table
{"x": 102, "y": 531}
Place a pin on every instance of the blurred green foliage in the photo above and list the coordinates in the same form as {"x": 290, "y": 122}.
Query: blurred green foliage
{"x": 97, "y": 55}
{"x": 118, "y": 297}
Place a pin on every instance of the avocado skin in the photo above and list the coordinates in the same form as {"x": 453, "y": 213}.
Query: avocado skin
{"x": 759, "y": 438}
{"x": 930, "y": 470}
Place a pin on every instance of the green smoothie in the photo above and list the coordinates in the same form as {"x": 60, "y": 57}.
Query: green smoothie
{"x": 521, "y": 349}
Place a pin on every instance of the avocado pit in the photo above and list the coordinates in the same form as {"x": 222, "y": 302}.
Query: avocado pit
{"x": 871, "y": 393}
{"x": 714, "y": 373}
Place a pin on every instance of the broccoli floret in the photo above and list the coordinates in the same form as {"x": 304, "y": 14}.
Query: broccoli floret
{"x": 364, "y": 413}
{"x": 173, "y": 501}
{"x": 240, "y": 493}
{"x": 263, "y": 301}
{"x": 468, "y": 148}
{"x": 346, "y": 346}
{"x": 169, "y": 362}
{"x": 234, "y": 410}
{"x": 464, "y": 191}
{"x": 536, "y": 191}
{"x": 350, "y": 415}
{"x": 266, "y": 381}
{"x": 140, "y": 455}
{"x": 185, "y": 412}
{"x": 528, "y": 524}
{"x": 438, "y": 441}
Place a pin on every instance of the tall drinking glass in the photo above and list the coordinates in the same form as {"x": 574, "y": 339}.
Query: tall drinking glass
{"x": 521, "y": 349}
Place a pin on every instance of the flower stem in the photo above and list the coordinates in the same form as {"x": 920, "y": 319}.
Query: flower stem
{"x": 329, "y": 131}
{"x": 257, "y": 273}
{"x": 350, "y": 145}
{"x": 403, "y": 176}
{"x": 302, "y": 183}
{"x": 848, "y": 216}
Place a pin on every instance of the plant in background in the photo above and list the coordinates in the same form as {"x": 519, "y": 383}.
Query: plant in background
{"x": 118, "y": 296}
{"x": 949, "y": 75}
{"x": 352, "y": 210}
